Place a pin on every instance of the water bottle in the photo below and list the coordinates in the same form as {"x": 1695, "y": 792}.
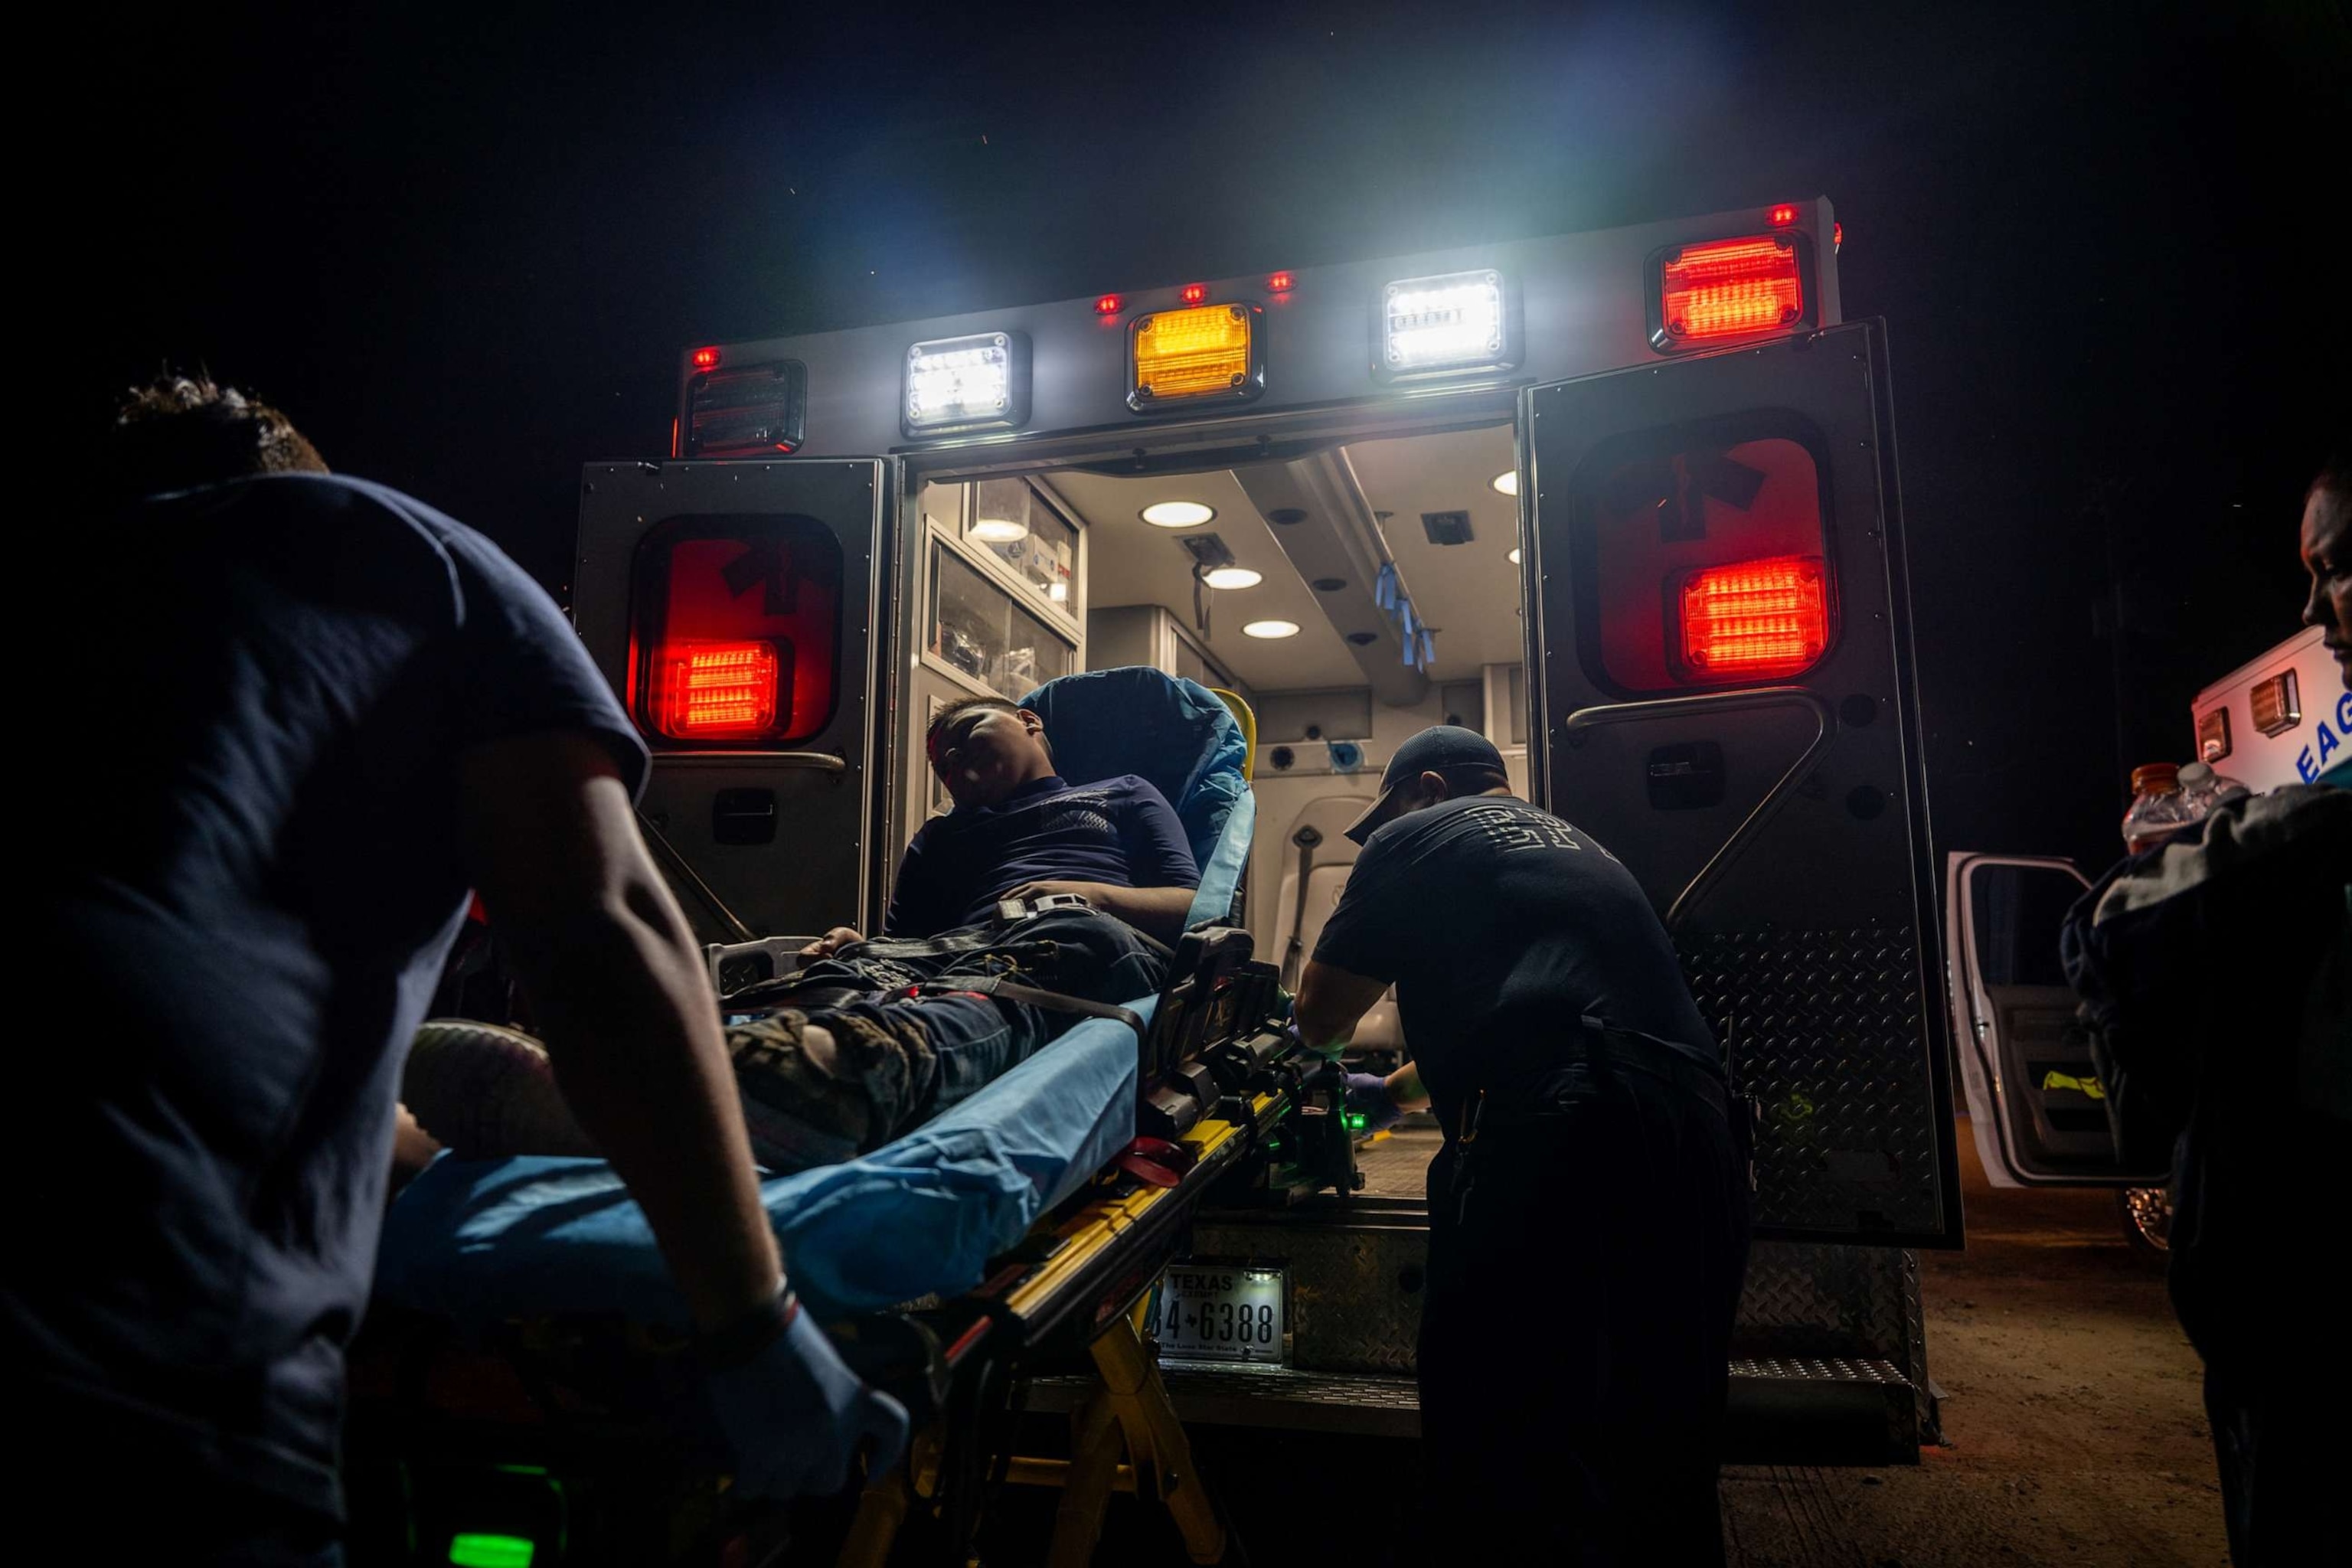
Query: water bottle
{"x": 2203, "y": 789}
{"x": 2157, "y": 810}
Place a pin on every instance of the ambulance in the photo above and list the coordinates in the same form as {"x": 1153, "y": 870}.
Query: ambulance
{"x": 2036, "y": 1110}
{"x": 1626, "y": 501}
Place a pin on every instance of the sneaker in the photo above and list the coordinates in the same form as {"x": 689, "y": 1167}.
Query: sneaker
{"x": 485, "y": 1091}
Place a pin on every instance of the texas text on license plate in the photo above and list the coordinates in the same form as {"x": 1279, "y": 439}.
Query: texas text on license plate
{"x": 1220, "y": 1311}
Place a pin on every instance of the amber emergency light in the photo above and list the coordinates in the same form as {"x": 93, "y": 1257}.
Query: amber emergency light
{"x": 1206, "y": 354}
{"x": 1754, "y": 617}
{"x": 717, "y": 690}
{"x": 1728, "y": 288}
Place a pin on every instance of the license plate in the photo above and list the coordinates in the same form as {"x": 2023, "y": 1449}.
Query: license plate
{"x": 1220, "y": 1311}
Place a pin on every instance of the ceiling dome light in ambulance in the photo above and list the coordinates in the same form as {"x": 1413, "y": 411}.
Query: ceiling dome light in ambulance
{"x": 1506, "y": 483}
{"x": 1450, "y": 324}
{"x": 955, "y": 386}
{"x": 999, "y": 530}
{"x": 1271, "y": 629}
{"x": 1177, "y": 513}
{"x": 1233, "y": 577}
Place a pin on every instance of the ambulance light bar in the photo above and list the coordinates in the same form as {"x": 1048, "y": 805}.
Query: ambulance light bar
{"x": 1449, "y": 325}
{"x": 754, "y": 411}
{"x": 2214, "y": 736}
{"x": 1206, "y": 354}
{"x": 717, "y": 689}
{"x": 976, "y": 383}
{"x": 2277, "y": 706}
{"x": 1754, "y": 617}
{"x": 1727, "y": 289}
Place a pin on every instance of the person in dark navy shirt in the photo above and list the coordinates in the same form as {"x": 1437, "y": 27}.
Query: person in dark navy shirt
{"x": 840, "y": 1059}
{"x": 323, "y": 712}
{"x": 1015, "y": 830}
{"x": 1589, "y": 1210}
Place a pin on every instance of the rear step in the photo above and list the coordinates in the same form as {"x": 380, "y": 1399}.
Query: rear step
{"x": 1781, "y": 1409}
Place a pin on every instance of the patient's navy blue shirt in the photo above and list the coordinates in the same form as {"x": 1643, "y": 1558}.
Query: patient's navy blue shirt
{"x": 1118, "y": 830}
{"x": 1501, "y": 927}
{"x": 261, "y": 712}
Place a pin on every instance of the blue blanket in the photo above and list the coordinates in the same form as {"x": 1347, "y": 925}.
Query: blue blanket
{"x": 477, "y": 1241}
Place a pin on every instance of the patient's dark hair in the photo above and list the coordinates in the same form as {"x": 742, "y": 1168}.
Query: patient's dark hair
{"x": 948, "y": 714}
{"x": 179, "y": 432}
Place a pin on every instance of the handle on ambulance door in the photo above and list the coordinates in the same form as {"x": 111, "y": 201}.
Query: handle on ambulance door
{"x": 1825, "y": 726}
{"x": 820, "y": 761}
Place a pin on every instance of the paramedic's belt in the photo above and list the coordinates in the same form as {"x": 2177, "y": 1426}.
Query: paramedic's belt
{"x": 1603, "y": 1046}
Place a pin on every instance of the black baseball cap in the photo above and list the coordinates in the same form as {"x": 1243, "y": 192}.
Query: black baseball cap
{"x": 1435, "y": 749}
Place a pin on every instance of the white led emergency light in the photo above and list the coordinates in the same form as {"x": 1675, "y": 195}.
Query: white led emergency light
{"x": 1457, "y": 323}
{"x": 956, "y": 385}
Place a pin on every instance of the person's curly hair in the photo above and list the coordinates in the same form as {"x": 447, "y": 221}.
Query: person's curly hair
{"x": 178, "y": 432}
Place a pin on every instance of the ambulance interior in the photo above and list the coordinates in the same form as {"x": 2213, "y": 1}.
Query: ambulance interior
{"x": 1266, "y": 580}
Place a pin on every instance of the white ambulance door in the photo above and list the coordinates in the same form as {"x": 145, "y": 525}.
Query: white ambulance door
{"x": 1724, "y": 694}
{"x": 732, "y": 604}
{"x": 2034, "y": 1104}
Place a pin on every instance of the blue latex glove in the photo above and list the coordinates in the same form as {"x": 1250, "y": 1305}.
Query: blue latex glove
{"x": 796, "y": 1415}
{"x": 1368, "y": 1097}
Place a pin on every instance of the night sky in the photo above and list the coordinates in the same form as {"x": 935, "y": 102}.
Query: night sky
{"x": 463, "y": 247}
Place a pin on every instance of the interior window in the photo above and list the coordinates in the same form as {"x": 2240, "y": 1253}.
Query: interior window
{"x": 2018, "y": 911}
{"x": 735, "y": 630}
{"x": 1701, "y": 556}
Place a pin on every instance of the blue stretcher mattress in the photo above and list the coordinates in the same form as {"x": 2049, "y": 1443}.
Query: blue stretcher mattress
{"x": 479, "y": 1241}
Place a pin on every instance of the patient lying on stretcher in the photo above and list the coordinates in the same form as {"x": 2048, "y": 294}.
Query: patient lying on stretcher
{"x": 841, "y": 1059}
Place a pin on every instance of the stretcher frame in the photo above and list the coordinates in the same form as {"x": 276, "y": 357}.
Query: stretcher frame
{"x": 1230, "y": 1077}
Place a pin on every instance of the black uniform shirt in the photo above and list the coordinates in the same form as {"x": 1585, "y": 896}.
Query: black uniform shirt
{"x": 1501, "y": 927}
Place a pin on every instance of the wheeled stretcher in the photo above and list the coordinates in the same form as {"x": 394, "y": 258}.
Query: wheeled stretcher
{"x": 527, "y": 1378}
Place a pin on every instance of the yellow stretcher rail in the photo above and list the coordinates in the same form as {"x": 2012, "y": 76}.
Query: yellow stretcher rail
{"x": 1125, "y": 1434}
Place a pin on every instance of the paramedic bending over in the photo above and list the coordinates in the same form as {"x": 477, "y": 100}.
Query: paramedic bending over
{"x": 349, "y": 710}
{"x": 1589, "y": 1210}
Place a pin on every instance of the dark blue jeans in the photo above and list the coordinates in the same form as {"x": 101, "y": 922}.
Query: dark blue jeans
{"x": 886, "y": 1062}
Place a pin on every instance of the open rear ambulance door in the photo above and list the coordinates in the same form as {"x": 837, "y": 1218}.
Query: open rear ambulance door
{"x": 732, "y": 606}
{"x": 2033, "y": 1098}
{"x": 1724, "y": 682}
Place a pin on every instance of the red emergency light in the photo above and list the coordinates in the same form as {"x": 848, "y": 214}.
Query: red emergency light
{"x": 1729, "y": 288}
{"x": 1193, "y": 293}
{"x": 1754, "y": 617}
{"x": 706, "y": 358}
{"x": 1782, "y": 217}
{"x": 1109, "y": 305}
{"x": 1280, "y": 283}
{"x": 715, "y": 689}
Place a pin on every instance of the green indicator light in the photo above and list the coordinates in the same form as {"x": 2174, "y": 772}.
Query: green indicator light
{"x": 1355, "y": 1121}
{"x": 492, "y": 1551}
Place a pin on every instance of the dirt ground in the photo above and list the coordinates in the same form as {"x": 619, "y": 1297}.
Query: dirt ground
{"x": 2074, "y": 1432}
{"x": 2074, "y": 1435}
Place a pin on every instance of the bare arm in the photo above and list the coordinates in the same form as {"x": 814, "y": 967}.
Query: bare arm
{"x": 1405, "y": 1090}
{"x": 622, "y": 998}
{"x": 1331, "y": 1002}
{"x": 1155, "y": 911}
